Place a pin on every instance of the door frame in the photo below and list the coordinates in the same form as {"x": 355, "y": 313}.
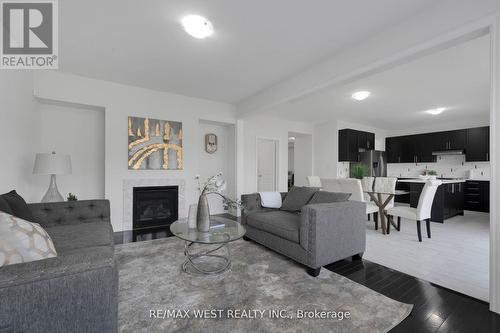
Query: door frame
{"x": 276, "y": 159}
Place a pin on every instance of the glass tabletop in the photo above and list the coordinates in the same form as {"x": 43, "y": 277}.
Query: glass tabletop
{"x": 397, "y": 192}
{"x": 221, "y": 231}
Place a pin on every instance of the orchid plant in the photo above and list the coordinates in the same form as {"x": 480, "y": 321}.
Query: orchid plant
{"x": 217, "y": 185}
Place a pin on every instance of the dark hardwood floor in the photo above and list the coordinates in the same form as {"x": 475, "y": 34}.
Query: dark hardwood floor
{"x": 436, "y": 309}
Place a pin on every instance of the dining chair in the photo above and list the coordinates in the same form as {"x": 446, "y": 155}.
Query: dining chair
{"x": 422, "y": 212}
{"x": 384, "y": 185}
{"x": 314, "y": 181}
{"x": 371, "y": 208}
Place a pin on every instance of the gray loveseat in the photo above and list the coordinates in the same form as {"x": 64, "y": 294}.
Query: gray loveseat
{"x": 73, "y": 292}
{"x": 316, "y": 236}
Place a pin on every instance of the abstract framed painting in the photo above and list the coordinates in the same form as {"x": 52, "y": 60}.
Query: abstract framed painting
{"x": 154, "y": 144}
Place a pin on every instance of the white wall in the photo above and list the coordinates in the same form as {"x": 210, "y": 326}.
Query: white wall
{"x": 78, "y": 132}
{"x": 303, "y": 158}
{"x": 325, "y": 140}
{"x": 266, "y": 127}
{"x": 121, "y": 101}
{"x": 19, "y": 133}
{"x": 220, "y": 161}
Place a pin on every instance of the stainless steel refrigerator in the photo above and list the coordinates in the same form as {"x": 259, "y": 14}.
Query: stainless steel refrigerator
{"x": 374, "y": 160}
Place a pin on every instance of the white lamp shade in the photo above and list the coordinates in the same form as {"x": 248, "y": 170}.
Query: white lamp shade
{"x": 52, "y": 164}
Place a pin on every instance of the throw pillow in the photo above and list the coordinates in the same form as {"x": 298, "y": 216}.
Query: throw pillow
{"x": 327, "y": 197}
{"x": 297, "y": 198}
{"x": 23, "y": 241}
{"x": 270, "y": 199}
{"x": 4, "y": 206}
{"x": 18, "y": 206}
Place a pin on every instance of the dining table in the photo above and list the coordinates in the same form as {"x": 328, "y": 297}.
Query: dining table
{"x": 382, "y": 199}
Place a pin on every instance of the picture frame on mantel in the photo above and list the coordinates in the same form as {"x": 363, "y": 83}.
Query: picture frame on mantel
{"x": 210, "y": 143}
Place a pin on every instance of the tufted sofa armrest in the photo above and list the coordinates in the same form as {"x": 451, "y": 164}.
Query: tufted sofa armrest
{"x": 70, "y": 212}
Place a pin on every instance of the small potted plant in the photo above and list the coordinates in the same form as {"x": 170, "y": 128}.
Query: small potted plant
{"x": 359, "y": 171}
{"x": 432, "y": 174}
{"x": 72, "y": 197}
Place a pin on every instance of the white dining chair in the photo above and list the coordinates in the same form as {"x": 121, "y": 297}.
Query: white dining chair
{"x": 371, "y": 208}
{"x": 421, "y": 213}
{"x": 314, "y": 181}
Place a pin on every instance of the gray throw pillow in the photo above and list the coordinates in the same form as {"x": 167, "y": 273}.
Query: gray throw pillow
{"x": 4, "y": 206}
{"x": 327, "y": 197}
{"x": 18, "y": 206}
{"x": 297, "y": 198}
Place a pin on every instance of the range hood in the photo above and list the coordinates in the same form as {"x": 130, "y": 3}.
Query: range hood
{"x": 448, "y": 152}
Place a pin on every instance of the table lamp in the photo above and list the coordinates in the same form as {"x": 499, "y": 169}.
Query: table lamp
{"x": 52, "y": 164}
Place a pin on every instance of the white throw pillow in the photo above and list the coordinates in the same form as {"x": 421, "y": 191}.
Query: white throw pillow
{"x": 23, "y": 241}
{"x": 270, "y": 199}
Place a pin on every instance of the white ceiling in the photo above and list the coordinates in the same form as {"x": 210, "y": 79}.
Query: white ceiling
{"x": 256, "y": 44}
{"x": 457, "y": 78}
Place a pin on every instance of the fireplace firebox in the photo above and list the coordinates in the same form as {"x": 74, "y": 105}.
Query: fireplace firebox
{"x": 155, "y": 207}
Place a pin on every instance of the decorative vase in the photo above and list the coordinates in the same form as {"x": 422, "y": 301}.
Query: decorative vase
{"x": 203, "y": 214}
{"x": 192, "y": 216}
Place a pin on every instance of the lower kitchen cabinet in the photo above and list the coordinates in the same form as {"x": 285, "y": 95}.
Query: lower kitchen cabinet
{"x": 448, "y": 202}
{"x": 477, "y": 195}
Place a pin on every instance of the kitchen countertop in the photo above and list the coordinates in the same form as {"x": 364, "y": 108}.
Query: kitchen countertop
{"x": 444, "y": 181}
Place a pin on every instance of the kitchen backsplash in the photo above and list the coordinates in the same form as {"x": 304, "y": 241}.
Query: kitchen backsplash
{"x": 343, "y": 170}
{"x": 447, "y": 166}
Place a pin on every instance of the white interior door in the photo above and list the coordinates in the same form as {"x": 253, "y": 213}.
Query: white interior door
{"x": 267, "y": 165}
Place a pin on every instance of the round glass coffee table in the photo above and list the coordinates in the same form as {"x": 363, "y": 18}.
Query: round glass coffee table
{"x": 209, "y": 260}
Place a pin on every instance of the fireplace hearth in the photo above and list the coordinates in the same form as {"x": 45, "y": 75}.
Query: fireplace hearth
{"x": 154, "y": 207}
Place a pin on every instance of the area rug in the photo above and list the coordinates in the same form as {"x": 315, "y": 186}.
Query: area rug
{"x": 262, "y": 292}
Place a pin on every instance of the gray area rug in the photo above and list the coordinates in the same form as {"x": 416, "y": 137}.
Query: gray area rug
{"x": 259, "y": 281}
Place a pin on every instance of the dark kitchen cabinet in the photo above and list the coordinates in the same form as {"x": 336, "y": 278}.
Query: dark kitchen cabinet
{"x": 423, "y": 148}
{"x": 477, "y": 148}
{"x": 351, "y": 142}
{"x": 449, "y": 140}
{"x": 409, "y": 149}
{"x": 366, "y": 140}
{"x": 477, "y": 195}
{"x": 393, "y": 149}
{"x": 418, "y": 148}
{"x": 448, "y": 201}
{"x": 407, "y": 154}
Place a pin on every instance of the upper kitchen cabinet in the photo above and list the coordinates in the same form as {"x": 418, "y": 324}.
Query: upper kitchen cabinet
{"x": 393, "y": 149}
{"x": 366, "y": 140}
{"x": 477, "y": 147}
{"x": 449, "y": 140}
{"x": 351, "y": 142}
{"x": 423, "y": 148}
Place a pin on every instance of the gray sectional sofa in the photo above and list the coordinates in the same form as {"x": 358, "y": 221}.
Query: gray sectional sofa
{"x": 77, "y": 291}
{"x": 317, "y": 235}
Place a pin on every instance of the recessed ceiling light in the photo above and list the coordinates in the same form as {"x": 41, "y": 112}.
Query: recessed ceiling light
{"x": 291, "y": 138}
{"x": 361, "y": 95}
{"x": 435, "y": 111}
{"x": 197, "y": 26}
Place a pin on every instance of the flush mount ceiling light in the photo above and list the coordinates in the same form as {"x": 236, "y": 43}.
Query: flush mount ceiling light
{"x": 197, "y": 26}
{"x": 291, "y": 138}
{"x": 361, "y": 95}
{"x": 435, "y": 111}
